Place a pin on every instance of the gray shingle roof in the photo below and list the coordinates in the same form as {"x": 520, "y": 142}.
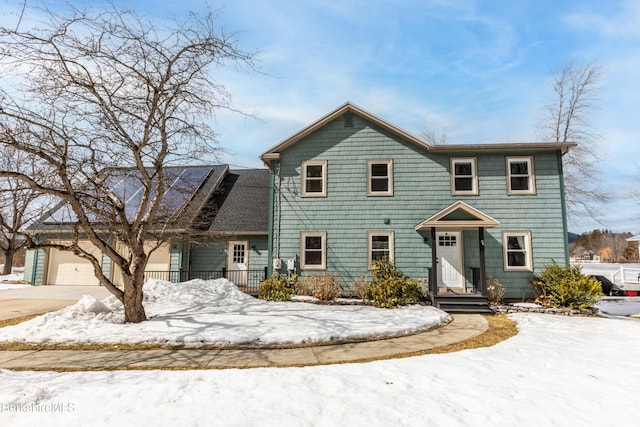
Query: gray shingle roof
{"x": 242, "y": 205}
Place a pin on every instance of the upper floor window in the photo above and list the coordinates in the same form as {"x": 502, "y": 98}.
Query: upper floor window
{"x": 314, "y": 178}
{"x": 313, "y": 248}
{"x": 380, "y": 245}
{"x": 517, "y": 250}
{"x": 348, "y": 120}
{"x": 380, "y": 177}
{"x": 464, "y": 176}
{"x": 520, "y": 177}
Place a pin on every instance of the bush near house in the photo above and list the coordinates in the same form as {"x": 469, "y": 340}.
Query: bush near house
{"x": 389, "y": 287}
{"x": 495, "y": 291}
{"x": 325, "y": 287}
{"x": 279, "y": 287}
{"x": 566, "y": 287}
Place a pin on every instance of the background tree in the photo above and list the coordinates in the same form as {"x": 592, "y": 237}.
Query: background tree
{"x": 568, "y": 119}
{"x": 433, "y": 138}
{"x": 88, "y": 92}
{"x": 19, "y": 205}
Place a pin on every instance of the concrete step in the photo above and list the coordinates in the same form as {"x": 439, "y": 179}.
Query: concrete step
{"x": 464, "y": 304}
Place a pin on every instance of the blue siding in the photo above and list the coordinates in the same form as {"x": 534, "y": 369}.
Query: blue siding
{"x": 421, "y": 185}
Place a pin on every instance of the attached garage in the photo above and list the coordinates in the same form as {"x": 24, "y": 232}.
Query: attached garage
{"x": 159, "y": 262}
{"x": 66, "y": 268}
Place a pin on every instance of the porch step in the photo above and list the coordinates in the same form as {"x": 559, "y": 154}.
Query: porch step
{"x": 464, "y": 304}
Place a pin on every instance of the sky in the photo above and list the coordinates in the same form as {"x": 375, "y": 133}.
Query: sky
{"x": 477, "y": 72}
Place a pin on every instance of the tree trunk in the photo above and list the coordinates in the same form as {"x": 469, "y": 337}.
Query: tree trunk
{"x": 8, "y": 263}
{"x": 133, "y": 296}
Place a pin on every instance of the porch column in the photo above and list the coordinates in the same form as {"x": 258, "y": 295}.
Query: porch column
{"x": 483, "y": 273}
{"x": 433, "y": 280}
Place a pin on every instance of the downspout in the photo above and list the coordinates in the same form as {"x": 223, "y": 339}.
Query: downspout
{"x": 271, "y": 216}
{"x": 563, "y": 204}
{"x": 279, "y": 171}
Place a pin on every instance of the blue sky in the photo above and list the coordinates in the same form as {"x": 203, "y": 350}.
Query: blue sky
{"x": 478, "y": 71}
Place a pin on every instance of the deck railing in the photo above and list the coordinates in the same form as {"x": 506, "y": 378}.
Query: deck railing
{"x": 246, "y": 280}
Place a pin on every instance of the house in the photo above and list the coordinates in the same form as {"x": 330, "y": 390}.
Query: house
{"x": 351, "y": 188}
{"x": 217, "y": 227}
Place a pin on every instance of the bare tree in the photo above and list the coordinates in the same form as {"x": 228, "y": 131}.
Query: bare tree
{"x": 434, "y": 139}
{"x": 89, "y": 92}
{"x": 19, "y": 205}
{"x": 568, "y": 119}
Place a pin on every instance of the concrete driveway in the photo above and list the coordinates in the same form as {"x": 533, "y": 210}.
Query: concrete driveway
{"x": 41, "y": 299}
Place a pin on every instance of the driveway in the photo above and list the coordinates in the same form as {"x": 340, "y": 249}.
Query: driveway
{"x": 41, "y": 299}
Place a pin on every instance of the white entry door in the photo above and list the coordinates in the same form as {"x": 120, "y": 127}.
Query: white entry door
{"x": 451, "y": 269}
{"x": 237, "y": 261}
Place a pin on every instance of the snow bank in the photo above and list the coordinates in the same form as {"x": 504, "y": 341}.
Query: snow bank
{"x": 215, "y": 312}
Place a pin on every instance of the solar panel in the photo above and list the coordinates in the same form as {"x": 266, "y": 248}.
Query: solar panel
{"x": 182, "y": 183}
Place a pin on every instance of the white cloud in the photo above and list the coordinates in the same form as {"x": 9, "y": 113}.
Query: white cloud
{"x": 620, "y": 24}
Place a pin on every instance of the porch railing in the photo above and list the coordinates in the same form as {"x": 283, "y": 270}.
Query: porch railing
{"x": 246, "y": 280}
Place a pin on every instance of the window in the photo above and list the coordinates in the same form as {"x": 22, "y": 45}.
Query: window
{"x": 447, "y": 240}
{"x": 464, "y": 177}
{"x": 314, "y": 178}
{"x": 348, "y": 120}
{"x": 517, "y": 250}
{"x": 380, "y": 177}
{"x": 380, "y": 245}
{"x": 313, "y": 247}
{"x": 520, "y": 177}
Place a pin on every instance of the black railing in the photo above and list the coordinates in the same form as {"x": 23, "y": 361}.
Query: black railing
{"x": 246, "y": 280}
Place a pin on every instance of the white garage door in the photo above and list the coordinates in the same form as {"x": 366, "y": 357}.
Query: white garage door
{"x": 65, "y": 268}
{"x": 159, "y": 263}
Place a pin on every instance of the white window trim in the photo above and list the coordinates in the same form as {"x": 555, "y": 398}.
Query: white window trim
{"x": 323, "y": 236}
{"x": 474, "y": 176}
{"x": 306, "y": 163}
{"x": 370, "y": 235}
{"x": 532, "y": 179}
{"x": 389, "y": 163}
{"x": 528, "y": 258}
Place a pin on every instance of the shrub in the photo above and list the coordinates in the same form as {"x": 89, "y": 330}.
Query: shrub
{"x": 279, "y": 287}
{"x": 324, "y": 288}
{"x": 304, "y": 286}
{"x": 359, "y": 285}
{"x": 495, "y": 290}
{"x": 390, "y": 288}
{"x": 566, "y": 287}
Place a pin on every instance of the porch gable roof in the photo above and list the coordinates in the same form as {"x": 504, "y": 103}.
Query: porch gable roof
{"x": 458, "y": 215}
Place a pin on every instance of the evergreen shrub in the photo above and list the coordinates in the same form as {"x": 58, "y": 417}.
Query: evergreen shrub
{"x": 566, "y": 287}
{"x": 390, "y": 288}
{"x": 279, "y": 287}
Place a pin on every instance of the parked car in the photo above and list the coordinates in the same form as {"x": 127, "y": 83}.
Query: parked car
{"x": 609, "y": 288}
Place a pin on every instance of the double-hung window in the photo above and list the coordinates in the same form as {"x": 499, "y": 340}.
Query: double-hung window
{"x": 464, "y": 176}
{"x": 380, "y": 245}
{"x": 520, "y": 176}
{"x": 314, "y": 178}
{"x": 313, "y": 248}
{"x": 380, "y": 177}
{"x": 517, "y": 250}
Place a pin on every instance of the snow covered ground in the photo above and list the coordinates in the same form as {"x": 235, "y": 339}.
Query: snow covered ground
{"x": 8, "y": 281}
{"x": 215, "y": 312}
{"x": 557, "y": 371}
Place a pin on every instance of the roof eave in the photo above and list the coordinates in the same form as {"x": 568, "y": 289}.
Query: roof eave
{"x": 348, "y": 107}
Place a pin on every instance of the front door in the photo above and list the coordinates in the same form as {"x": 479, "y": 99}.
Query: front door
{"x": 450, "y": 258}
{"x": 237, "y": 260}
